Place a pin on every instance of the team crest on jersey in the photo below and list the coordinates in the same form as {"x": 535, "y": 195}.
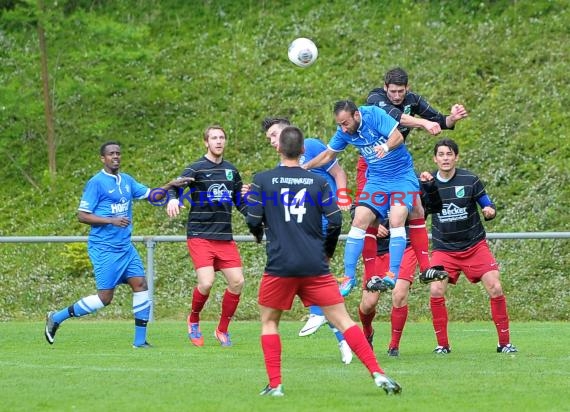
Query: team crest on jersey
{"x": 128, "y": 188}
{"x": 460, "y": 191}
{"x": 229, "y": 174}
{"x": 407, "y": 109}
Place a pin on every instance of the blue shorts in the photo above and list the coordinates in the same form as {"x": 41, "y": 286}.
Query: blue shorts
{"x": 380, "y": 195}
{"x": 113, "y": 267}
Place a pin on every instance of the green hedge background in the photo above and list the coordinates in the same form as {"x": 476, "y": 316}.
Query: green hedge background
{"x": 153, "y": 74}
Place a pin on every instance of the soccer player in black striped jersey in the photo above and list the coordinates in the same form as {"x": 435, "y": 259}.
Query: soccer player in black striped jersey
{"x": 290, "y": 202}
{"x": 404, "y": 105}
{"x": 460, "y": 245}
{"x": 215, "y": 190}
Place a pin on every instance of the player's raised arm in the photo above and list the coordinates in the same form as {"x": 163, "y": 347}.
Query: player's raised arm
{"x": 322, "y": 159}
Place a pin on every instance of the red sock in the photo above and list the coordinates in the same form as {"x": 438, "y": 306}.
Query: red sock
{"x": 369, "y": 252}
{"x": 419, "y": 240}
{"x": 359, "y": 345}
{"x": 366, "y": 320}
{"x": 501, "y": 318}
{"x": 439, "y": 319}
{"x": 398, "y": 319}
{"x": 230, "y": 303}
{"x": 198, "y": 302}
{"x": 271, "y": 346}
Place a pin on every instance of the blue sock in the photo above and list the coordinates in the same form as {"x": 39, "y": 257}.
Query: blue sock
{"x": 82, "y": 307}
{"x": 353, "y": 250}
{"x": 396, "y": 249}
{"x": 337, "y": 333}
{"x": 141, "y": 311}
{"x": 315, "y": 310}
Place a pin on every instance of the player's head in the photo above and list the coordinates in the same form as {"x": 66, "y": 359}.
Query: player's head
{"x": 396, "y": 85}
{"x": 446, "y": 154}
{"x": 291, "y": 143}
{"x": 272, "y": 127}
{"x": 111, "y": 156}
{"x": 347, "y": 116}
{"x": 215, "y": 140}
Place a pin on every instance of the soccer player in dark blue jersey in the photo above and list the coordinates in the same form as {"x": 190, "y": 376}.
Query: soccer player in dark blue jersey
{"x": 290, "y": 202}
{"x": 460, "y": 243}
{"x": 107, "y": 206}
{"x": 335, "y": 176}
{"x": 214, "y": 191}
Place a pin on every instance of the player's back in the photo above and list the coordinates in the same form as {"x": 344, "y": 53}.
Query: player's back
{"x": 293, "y": 202}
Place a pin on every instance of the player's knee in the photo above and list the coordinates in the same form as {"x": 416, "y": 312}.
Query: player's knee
{"x": 236, "y": 285}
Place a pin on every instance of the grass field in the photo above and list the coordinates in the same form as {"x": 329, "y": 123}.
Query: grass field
{"x": 93, "y": 367}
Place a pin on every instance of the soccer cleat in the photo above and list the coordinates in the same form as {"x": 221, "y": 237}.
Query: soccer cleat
{"x": 395, "y": 352}
{"x": 442, "y": 350}
{"x": 370, "y": 339}
{"x": 390, "y": 280}
{"x": 433, "y": 274}
{"x": 269, "y": 391}
{"x": 345, "y": 352}
{"x": 347, "y": 283}
{"x": 508, "y": 348}
{"x": 375, "y": 284}
{"x": 390, "y": 386}
{"x": 223, "y": 338}
{"x": 145, "y": 345}
{"x": 313, "y": 324}
{"x": 51, "y": 328}
{"x": 195, "y": 335}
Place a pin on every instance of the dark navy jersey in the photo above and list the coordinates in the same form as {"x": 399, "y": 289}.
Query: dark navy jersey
{"x": 413, "y": 105}
{"x": 458, "y": 226}
{"x": 290, "y": 202}
{"x": 211, "y": 196}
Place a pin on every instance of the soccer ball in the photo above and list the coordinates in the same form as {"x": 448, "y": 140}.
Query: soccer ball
{"x": 303, "y": 52}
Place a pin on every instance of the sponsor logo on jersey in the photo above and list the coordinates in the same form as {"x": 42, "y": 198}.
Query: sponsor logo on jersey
{"x": 120, "y": 208}
{"x": 219, "y": 193}
{"x": 229, "y": 174}
{"x": 460, "y": 191}
{"x": 452, "y": 213}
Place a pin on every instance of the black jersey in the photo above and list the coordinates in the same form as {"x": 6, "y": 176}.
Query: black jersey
{"x": 211, "y": 196}
{"x": 290, "y": 202}
{"x": 458, "y": 226}
{"x": 413, "y": 104}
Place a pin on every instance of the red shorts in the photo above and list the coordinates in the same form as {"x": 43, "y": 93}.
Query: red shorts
{"x": 278, "y": 292}
{"x": 221, "y": 254}
{"x": 407, "y": 268}
{"x": 473, "y": 262}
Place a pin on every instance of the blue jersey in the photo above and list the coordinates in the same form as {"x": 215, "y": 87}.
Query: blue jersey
{"x": 375, "y": 128}
{"x": 313, "y": 148}
{"x": 109, "y": 195}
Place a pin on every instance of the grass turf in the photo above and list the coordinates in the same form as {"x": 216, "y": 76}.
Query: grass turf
{"x": 92, "y": 366}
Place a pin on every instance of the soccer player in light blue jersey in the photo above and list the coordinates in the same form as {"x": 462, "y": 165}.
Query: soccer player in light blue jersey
{"x": 335, "y": 175}
{"x": 107, "y": 206}
{"x": 391, "y": 184}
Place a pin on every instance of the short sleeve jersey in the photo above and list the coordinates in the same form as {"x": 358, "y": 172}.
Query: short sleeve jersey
{"x": 109, "y": 195}
{"x": 213, "y": 193}
{"x": 375, "y": 128}
{"x": 458, "y": 226}
{"x": 313, "y": 148}
{"x": 291, "y": 202}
